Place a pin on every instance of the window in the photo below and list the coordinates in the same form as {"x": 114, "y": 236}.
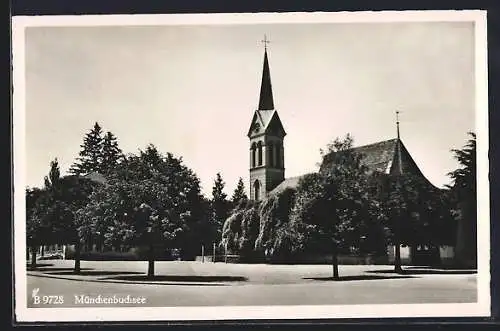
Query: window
{"x": 256, "y": 189}
{"x": 270, "y": 154}
{"x": 278, "y": 155}
{"x": 252, "y": 155}
{"x": 259, "y": 153}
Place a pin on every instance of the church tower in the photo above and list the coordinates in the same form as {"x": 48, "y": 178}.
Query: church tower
{"x": 266, "y": 134}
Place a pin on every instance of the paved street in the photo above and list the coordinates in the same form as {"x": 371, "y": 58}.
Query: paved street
{"x": 209, "y": 284}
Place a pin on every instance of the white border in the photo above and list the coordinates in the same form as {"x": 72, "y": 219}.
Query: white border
{"x": 479, "y": 309}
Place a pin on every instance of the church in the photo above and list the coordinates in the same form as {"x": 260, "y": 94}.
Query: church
{"x": 267, "y": 164}
{"x": 267, "y": 161}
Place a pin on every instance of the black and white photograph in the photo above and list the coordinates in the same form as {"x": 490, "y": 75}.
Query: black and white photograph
{"x": 183, "y": 167}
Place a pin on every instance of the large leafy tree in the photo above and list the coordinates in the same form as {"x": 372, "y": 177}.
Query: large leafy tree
{"x": 36, "y": 224}
{"x": 150, "y": 200}
{"x": 42, "y": 211}
{"x": 403, "y": 204}
{"x": 416, "y": 213}
{"x": 335, "y": 211}
{"x": 232, "y": 231}
{"x": 274, "y": 215}
{"x": 72, "y": 194}
{"x": 463, "y": 197}
{"x": 249, "y": 231}
{"x": 52, "y": 211}
{"x": 90, "y": 155}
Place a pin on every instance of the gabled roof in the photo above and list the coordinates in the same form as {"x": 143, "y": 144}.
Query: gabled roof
{"x": 266, "y": 118}
{"x": 380, "y": 157}
{"x": 291, "y": 182}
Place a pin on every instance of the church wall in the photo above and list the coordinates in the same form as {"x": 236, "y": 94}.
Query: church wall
{"x": 274, "y": 178}
{"x": 271, "y": 173}
{"x": 258, "y": 174}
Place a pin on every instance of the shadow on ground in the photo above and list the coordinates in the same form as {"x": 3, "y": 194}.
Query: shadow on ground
{"x": 56, "y": 269}
{"x": 422, "y": 271}
{"x": 96, "y": 273}
{"x": 358, "y": 277}
{"x": 444, "y": 267}
{"x": 180, "y": 278}
{"x": 28, "y": 265}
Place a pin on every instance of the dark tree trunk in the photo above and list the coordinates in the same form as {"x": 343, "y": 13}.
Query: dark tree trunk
{"x": 43, "y": 251}
{"x": 151, "y": 262}
{"x": 397, "y": 258}
{"x": 335, "y": 263}
{"x": 33, "y": 257}
{"x": 397, "y": 247}
{"x": 78, "y": 249}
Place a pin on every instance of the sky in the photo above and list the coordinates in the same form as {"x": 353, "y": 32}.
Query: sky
{"x": 192, "y": 90}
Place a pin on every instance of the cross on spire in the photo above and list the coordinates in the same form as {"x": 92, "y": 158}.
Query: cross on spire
{"x": 265, "y": 41}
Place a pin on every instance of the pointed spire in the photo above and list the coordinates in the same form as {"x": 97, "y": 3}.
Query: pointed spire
{"x": 266, "y": 93}
{"x": 400, "y": 159}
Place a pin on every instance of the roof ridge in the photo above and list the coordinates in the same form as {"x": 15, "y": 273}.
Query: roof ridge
{"x": 376, "y": 143}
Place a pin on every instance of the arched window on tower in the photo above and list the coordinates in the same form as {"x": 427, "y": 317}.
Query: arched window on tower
{"x": 256, "y": 190}
{"x": 278, "y": 155}
{"x": 259, "y": 153}
{"x": 252, "y": 154}
{"x": 270, "y": 154}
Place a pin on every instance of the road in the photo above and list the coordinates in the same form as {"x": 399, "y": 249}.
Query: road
{"x": 206, "y": 284}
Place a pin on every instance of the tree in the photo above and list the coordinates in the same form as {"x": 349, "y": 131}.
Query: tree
{"x": 400, "y": 209}
{"x": 231, "y": 231}
{"x": 241, "y": 229}
{"x": 463, "y": 199}
{"x": 150, "y": 200}
{"x": 72, "y": 195}
{"x": 52, "y": 211}
{"x": 274, "y": 215}
{"x": 219, "y": 206}
{"x": 42, "y": 211}
{"x": 51, "y": 182}
{"x": 334, "y": 209}
{"x": 35, "y": 223}
{"x": 416, "y": 213}
{"x": 239, "y": 195}
{"x": 90, "y": 155}
{"x": 249, "y": 231}
{"x": 54, "y": 175}
{"x": 111, "y": 153}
